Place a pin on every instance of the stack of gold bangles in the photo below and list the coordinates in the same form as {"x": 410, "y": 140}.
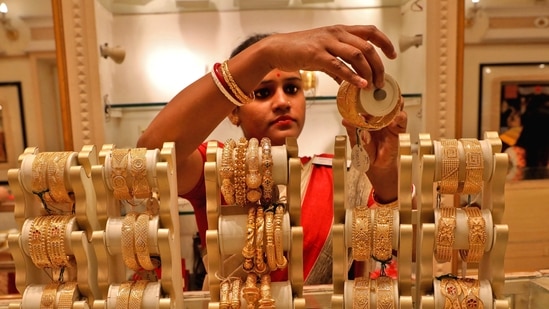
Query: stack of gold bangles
{"x": 461, "y": 292}
{"x": 451, "y": 179}
{"x": 48, "y": 181}
{"x": 477, "y": 235}
{"x": 445, "y": 234}
{"x": 135, "y": 241}
{"x": 129, "y": 174}
{"x": 47, "y": 241}
{"x": 59, "y": 295}
{"x": 131, "y": 294}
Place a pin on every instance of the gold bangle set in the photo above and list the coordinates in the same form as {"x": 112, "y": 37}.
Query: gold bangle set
{"x": 67, "y": 295}
{"x": 361, "y": 293}
{"x": 130, "y": 294}
{"x": 461, "y": 293}
{"x": 244, "y": 177}
{"x": 361, "y": 233}
{"x": 477, "y": 235}
{"x": 235, "y": 89}
{"x": 260, "y": 266}
{"x": 449, "y": 178}
{"x": 133, "y": 160}
{"x": 49, "y": 296}
{"x": 450, "y": 182}
{"x": 474, "y": 166}
{"x": 48, "y": 180}
{"x": 281, "y": 261}
{"x": 250, "y": 291}
{"x": 135, "y": 241}
{"x": 445, "y": 234}
{"x": 383, "y": 234}
{"x": 385, "y": 294}
{"x": 229, "y": 297}
{"x": 249, "y": 248}
{"x": 47, "y": 241}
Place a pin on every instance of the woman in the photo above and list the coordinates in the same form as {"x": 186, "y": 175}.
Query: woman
{"x": 268, "y": 67}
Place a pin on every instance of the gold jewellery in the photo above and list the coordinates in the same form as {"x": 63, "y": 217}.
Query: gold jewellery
{"x": 128, "y": 238}
{"x": 361, "y": 233}
{"x": 445, "y": 235}
{"x": 67, "y": 295}
{"x": 142, "y": 242}
{"x": 55, "y": 244}
{"x": 250, "y": 291}
{"x": 119, "y": 174}
{"x": 136, "y": 294}
{"x": 235, "y": 89}
{"x": 37, "y": 242}
{"x": 449, "y": 179}
{"x": 253, "y": 176}
{"x": 385, "y": 293}
{"x": 267, "y": 168}
{"x": 361, "y": 293}
{"x": 281, "y": 261}
{"x": 249, "y": 248}
{"x": 451, "y": 290}
{"x": 229, "y": 297}
{"x": 226, "y": 172}
{"x": 138, "y": 170}
{"x": 477, "y": 235}
{"x": 123, "y": 296}
{"x": 39, "y": 183}
{"x": 240, "y": 171}
{"x": 474, "y": 165}
{"x": 49, "y": 296}
{"x": 260, "y": 266}
{"x": 56, "y": 166}
{"x": 270, "y": 251}
{"x": 383, "y": 234}
{"x": 471, "y": 293}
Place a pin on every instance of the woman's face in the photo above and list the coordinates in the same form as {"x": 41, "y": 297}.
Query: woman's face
{"x": 278, "y": 110}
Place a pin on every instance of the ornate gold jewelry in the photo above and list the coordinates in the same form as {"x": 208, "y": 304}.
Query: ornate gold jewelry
{"x": 236, "y": 286}
{"x": 270, "y": 251}
{"x": 445, "y": 234}
{"x": 281, "y": 261}
{"x": 56, "y": 168}
{"x": 39, "y": 181}
{"x": 128, "y": 239}
{"x": 361, "y": 233}
{"x": 451, "y": 290}
{"x": 226, "y": 172}
{"x": 141, "y": 234}
{"x": 383, "y": 234}
{"x": 260, "y": 266}
{"x": 55, "y": 244}
{"x": 385, "y": 293}
{"x": 119, "y": 174}
{"x": 471, "y": 298}
{"x": 49, "y": 296}
{"x": 477, "y": 236}
{"x": 37, "y": 242}
{"x": 249, "y": 248}
{"x": 235, "y": 89}
{"x": 266, "y": 300}
{"x": 224, "y": 295}
{"x": 67, "y": 295}
{"x": 138, "y": 170}
{"x": 253, "y": 176}
{"x": 474, "y": 166}
{"x": 267, "y": 167}
{"x": 449, "y": 179}
{"x": 136, "y": 294}
{"x": 250, "y": 291}
{"x": 361, "y": 293}
{"x": 123, "y": 297}
{"x": 240, "y": 171}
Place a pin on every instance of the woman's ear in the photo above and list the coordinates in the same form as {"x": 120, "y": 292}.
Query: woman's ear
{"x": 233, "y": 117}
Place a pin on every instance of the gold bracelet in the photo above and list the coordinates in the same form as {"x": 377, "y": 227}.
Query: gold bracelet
{"x": 281, "y": 261}
{"x": 57, "y": 166}
{"x": 250, "y": 291}
{"x": 445, "y": 234}
{"x": 477, "y": 236}
{"x": 128, "y": 239}
{"x": 383, "y": 234}
{"x": 474, "y": 166}
{"x": 138, "y": 170}
{"x": 226, "y": 172}
{"x": 471, "y": 293}
{"x": 119, "y": 174}
{"x": 260, "y": 266}
{"x": 224, "y": 295}
{"x": 449, "y": 179}
{"x": 249, "y": 247}
{"x": 55, "y": 245}
{"x": 270, "y": 251}
{"x": 266, "y": 300}
{"x": 361, "y": 293}
{"x": 240, "y": 171}
{"x": 267, "y": 168}
{"x": 236, "y": 286}
{"x": 49, "y": 296}
{"x": 385, "y": 293}
{"x": 361, "y": 234}
{"x": 141, "y": 235}
{"x": 235, "y": 89}
{"x": 136, "y": 294}
{"x": 123, "y": 297}
{"x": 253, "y": 176}
{"x": 39, "y": 183}
{"x": 37, "y": 242}
{"x": 451, "y": 291}
{"x": 67, "y": 295}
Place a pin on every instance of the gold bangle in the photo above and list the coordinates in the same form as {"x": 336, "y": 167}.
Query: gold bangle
{"x": 250, "y": 291}
{"x": 37, "y": 242}
{"x": 67, "y": 295}
{"x": 55, "y": 245}
{"x": 383, "y": 234}
{"x": 281, "y": 261}
{"x": 361, "y": 233}
{"x": 39, "y": 183}
{"x": 235, "y": 89}
{"x": 385, "y": 293}
{"x": 123, "y": 296}
{"x": 253, "y": 176}
{"x": 138, "y": 170}
{"x": 240, "y": 172}
{"x": 445, "y": 234}
{"x": 57, "y": 166}
{"x": 474, "y": 166}
{"x": 449, "y": 179}
{"x": 471, "y": 293}
{"x": 266, "y": 300}
{"x": 119, "y": 174}
{"x": 477, "y": 235}
{"x": 267, "y": 167}
{"x": 249, "y": 248}
{"x": 141, "y": 235}
{"x": 128, "y": 239}
{"x": 224, "y": 295}
{"x": 236, "y": 286}
{"x": 226, "y": 172}
{"x": 361, "y": 293}
{"x": 49, "y": 296}
{"x": 260, "y": 266}
{"x": 136, "y": 294}
{"x": 270, "y": 251}
{"x": 451, "y": 291}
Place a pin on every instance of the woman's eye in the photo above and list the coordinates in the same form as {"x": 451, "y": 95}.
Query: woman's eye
{"x": 262, "y": 93}
{"x": 291, "y": 89}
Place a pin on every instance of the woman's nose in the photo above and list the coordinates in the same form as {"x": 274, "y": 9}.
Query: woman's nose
{"x": 280, "y": 100}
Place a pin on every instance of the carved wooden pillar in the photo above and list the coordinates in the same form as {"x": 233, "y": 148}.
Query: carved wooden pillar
{"x": 77, "y": 58}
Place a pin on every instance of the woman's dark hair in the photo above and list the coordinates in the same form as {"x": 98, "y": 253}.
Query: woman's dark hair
{"x": 534, "y": 137}
{"x": 248, "y": 42}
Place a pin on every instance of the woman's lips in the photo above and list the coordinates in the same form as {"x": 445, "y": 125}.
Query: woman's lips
{"x": 283, "y": 121}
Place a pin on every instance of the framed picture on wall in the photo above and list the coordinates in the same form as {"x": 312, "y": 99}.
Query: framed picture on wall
{"x": 12, "y": 127}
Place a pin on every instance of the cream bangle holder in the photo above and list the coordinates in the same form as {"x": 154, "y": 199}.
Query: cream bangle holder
{"x": 113, "y": 236}
{"x": 485, "y": 295}
{"x": 349, "y": 227}
{"x": 461, "y": 240}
